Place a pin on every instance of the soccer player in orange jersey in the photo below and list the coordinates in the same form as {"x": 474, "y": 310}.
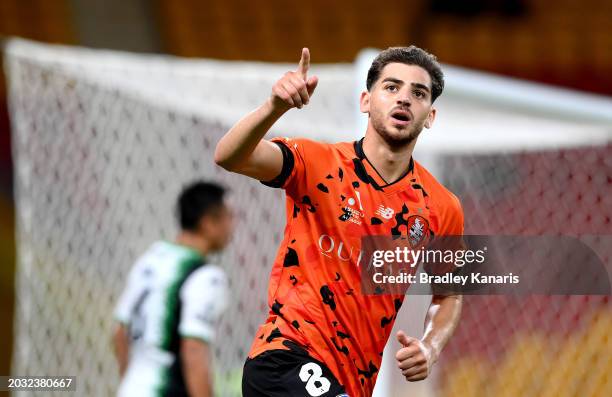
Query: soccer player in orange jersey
{"x": 323, "y": 335}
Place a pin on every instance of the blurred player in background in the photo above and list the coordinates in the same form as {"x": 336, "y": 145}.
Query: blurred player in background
{"x": 323, "y": 336}
{"x": 172, "y": 301}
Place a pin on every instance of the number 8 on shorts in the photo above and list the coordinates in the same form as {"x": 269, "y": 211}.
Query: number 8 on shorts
{"x": 316, "y": 385}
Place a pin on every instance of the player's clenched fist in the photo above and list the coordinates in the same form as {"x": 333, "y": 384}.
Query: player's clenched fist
{"x": 414, "y": 359}
{"x": 295, "y": 88}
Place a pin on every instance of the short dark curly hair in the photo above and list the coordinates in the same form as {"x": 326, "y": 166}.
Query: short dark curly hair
{"x": 412, "y": 55}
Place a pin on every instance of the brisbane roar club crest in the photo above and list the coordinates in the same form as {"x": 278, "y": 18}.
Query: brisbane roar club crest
{"x": 414, "y": 228}
{"x": 418, "y": 230}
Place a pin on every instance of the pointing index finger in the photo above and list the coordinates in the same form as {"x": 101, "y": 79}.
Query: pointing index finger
{"x": 304, "y": 64}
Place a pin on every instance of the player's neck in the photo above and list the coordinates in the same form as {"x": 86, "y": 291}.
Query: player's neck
{"x": 390, "y": 162}
{"x": 194, "y": 242}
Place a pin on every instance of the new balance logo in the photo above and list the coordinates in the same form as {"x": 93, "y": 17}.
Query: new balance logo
{"x": 385, "y": 212}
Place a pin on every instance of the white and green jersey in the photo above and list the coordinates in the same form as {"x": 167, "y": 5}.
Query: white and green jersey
{"x": 170, "y": 293}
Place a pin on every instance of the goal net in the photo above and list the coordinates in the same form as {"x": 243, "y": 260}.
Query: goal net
{"x": 103, "y": 142}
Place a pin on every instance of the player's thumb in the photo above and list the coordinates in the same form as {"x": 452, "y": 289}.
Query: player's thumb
{"x": 404, "y": 339}
{"x": 311, "y": 84}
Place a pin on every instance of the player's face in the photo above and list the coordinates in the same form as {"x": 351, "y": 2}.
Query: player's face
{"x": 217, "y": 228}
{"x": 399, "y": 103}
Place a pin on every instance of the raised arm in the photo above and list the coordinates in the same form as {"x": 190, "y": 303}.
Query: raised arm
{"x": 242, "y": 149}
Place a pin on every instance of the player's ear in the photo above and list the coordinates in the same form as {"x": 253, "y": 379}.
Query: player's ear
{"x": 430, "y": 118}
{"x": 364, "y": 102}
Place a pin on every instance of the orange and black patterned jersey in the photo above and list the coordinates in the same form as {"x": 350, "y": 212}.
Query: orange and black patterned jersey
{"x": 334, "y": 197}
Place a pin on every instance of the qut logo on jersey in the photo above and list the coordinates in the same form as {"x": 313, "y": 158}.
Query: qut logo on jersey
{"x": 327, "y": 247}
